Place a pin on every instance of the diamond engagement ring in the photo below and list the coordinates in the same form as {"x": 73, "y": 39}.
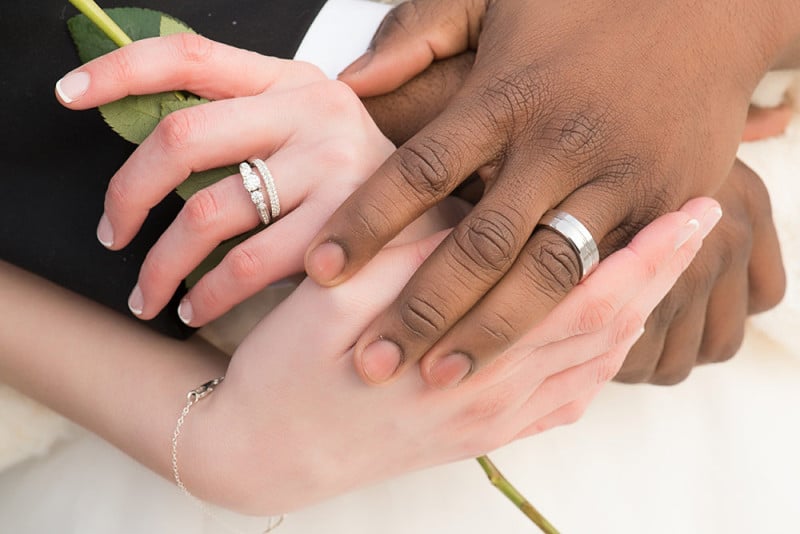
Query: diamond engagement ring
{"x": 269, "y": 183}
{"x": 252, "y": 184}
{"x": 578, "y": 237}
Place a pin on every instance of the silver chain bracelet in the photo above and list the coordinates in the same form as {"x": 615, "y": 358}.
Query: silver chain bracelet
{"x": 192, "y": 398}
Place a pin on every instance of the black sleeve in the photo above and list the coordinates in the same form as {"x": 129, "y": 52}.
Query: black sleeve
{"x": 56, "y": 163}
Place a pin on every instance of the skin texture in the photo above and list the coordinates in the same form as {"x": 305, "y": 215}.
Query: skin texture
{"x": 236, "y": 453}
{"x": 612, "y": 111}
{"x": 738, "y": 273}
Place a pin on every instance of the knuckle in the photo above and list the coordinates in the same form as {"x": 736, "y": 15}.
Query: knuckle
{"x": 766, "y": 294}
{"x": 176, "y": 130}
{"x": 514, "y": 100}
{"x": 670, "y": 375}
{"x": 491, "y": 405}
{"x": 498, "y": 328}
{"x": 336, "y": 98}
{"x": 201, "y": 212}
{"x": 421, "y": 317}
{"x": 424, "y": 167}
{"x": 399, "y": 20}
{"x": 206, "y": 295}
{"x": 192, "y": 48}
{"x": 244, "y": 263}
{"x": 154, "y": 272}
{"x": 572, "y": 412}
{"x": 718, "y": 349}
{"x": 607, "y": 366}
{"x": 117, "y": 195}
{"x": 631, "y": 374}
{"x": 552, "y": 265}
{"x": 122, "y": 66}
{"x": 339, "y": 155}
{"x": 370, "y": 222}
{"x": 579, "y": 136}
{"x": 306, "y": 71}
{"x": 488, "y": 241}
{"x": 626, "y": 327}
{"x": 596, "y": 314}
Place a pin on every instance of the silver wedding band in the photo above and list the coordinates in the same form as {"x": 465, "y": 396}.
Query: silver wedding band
{"x": 269, "y": 183}
{"x": 578, "y": 237}
{"x": 268, "y": 206}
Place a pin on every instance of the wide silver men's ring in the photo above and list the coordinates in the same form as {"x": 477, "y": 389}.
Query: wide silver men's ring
{"x": 577, "y": 235}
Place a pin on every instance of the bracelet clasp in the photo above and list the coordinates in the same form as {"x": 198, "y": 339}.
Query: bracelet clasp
{"x": 204, "y": 390}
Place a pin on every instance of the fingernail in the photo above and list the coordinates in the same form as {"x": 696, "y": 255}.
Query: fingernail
{"x": 380, "y": 360}
{"x": 136, "y": 301}
{"x": 326, "y": 262}
{"x": 686, "y": 233}
{"x": 451, "y": 370}
{"x": 72, "y": 86}
{"x": 358, "y": 65}
{"x": 185, "y": 311}
{"x": 710, "y": 220}
{"x": 105, "y": 233}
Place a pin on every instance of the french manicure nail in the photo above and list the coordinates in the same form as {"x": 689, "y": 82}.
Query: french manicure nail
{"x": 451, "y": 370}
{"x": 105, "y": 233}
{"x": 136, "y": 301}
{"x": 72, "y": 86}
{"x": 358, "y": 65}
{"x": 710, "y": 220}
{"x": 185, "y": 311}
{"x": 380, "y": 360}
{"x": 686, "y": 233}
{"x": 326, "y": 262}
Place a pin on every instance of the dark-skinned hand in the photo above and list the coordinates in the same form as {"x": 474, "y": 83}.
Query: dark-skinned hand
{"x": 615, "y": 111}
{"x": 738, "y": 272}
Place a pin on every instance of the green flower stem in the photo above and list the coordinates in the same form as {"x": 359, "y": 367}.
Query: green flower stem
{"x": 102, "y": 21}
{"x": 500, "y": 482}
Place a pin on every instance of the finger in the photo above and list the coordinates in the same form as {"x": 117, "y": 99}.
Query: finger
{"x": 404, "y": 112}
{"x": 179, "y": 62}
{"x": 766, "y": 273}
{"x": 766, "y": 122}
{"x": 565, "y": 415}
{"x": 681, "y": 344}
{"x": 222, "y": 211}
{"x": 210, "y": 216}
{"x": 641, "y": 363}
{"x": 411, "y": 37}
{"x": 269, "y": 256}
{"x": 611, "y": 305}
{"x": 725, "y": 316}
{"x": 574, "y": 383}
{"x": 195, "y": 139}
{"x": 417, "y": 176}
{"x": 480, "y": 251}
{"x": 356, "y": 302}
{"x": 546, "y": 270}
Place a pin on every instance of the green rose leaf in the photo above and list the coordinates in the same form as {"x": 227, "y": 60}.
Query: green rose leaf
{"x": 133, "y": 117}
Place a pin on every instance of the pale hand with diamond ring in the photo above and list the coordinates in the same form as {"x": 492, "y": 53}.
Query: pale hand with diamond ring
{"x": 327, "y": 134}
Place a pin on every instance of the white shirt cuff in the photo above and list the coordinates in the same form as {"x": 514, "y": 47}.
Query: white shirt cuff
{"x": 340, "y": 33}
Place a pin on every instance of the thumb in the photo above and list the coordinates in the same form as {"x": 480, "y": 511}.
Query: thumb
{"x": 411, "y": 37}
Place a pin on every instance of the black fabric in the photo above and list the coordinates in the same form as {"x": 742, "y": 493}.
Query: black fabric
{"x": 56, "y": 163}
